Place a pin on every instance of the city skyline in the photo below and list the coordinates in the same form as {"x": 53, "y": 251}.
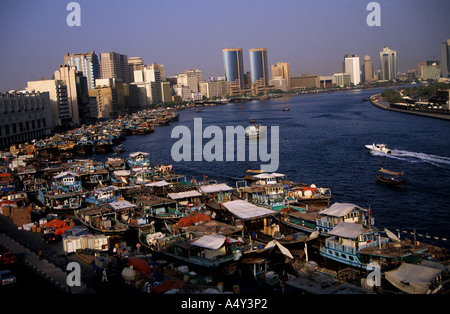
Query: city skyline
{"x": 312, "y": 37}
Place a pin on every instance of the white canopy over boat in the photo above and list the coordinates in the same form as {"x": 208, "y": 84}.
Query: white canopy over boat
{"x": 340, "y": 209}
{"x": 158, "y": 183}
{"x": 122, "y": 173}
{"x": 268, "y": 175}
{"x": 215, "y": 188}
{"x": 133, "y": 155}
{"x": 246, "y": 210}
{"x": 210, "y": 241}
{"x": 65, "y": 173}
{"x": 348, "y": 230}
{"x": 180, "y": 195}
{"x": 275, "y": 243}
{"x": 121, "y": 205}
{"x": 413, "y": 278}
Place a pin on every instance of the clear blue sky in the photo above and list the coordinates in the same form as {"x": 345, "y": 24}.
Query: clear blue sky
{"x": 313, "y": 35}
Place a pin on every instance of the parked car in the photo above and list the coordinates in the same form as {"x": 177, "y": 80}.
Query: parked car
{"x": 7, "y": 277}
{"x": 8, "y": 258}
{"x": 51, "y": 237}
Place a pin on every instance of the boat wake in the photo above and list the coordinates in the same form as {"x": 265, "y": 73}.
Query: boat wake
{"x": 413, "y": 157}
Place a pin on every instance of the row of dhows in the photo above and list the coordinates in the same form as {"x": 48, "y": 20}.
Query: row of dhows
{"x": 263, "y": 211}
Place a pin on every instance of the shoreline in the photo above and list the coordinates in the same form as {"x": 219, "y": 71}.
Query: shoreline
{"x": 378, "y": 102}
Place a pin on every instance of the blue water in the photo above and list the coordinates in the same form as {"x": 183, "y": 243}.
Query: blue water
{"x": 321, "y": 141}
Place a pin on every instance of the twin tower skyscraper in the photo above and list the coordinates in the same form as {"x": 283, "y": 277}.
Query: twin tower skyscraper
{"x": 234, "y": 67}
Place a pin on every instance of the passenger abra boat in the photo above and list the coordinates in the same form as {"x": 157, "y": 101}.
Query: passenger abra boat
{"x": 391, "y": 177}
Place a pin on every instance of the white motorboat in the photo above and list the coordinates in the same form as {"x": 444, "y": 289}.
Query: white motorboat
{"x": 380, "y": 148}
{"x": 252, "y": 131}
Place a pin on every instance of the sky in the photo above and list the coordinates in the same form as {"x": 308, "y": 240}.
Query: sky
{"x": 312, "y": 35}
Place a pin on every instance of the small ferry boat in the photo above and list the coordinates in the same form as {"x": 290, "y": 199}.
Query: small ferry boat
{"x": 286, "y": 109}
{"x": 119, "y": 149}
{"x": 252, "y": 131}
{"x": 379, "y": 148}
{"x": 391, "y": 177}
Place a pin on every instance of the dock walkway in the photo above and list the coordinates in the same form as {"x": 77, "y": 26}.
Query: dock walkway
{"x": 52, "y": 263}
{"x": 377, "y": 101}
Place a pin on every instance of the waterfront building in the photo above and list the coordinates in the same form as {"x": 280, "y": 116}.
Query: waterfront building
{"x": 213, "y": 89}
{"x": 114, "y": 65}
{"x": 105, "y": 93}
{"x": 58, "y": 99}
{"x": 259, "y": 71}
{"x": 445, "y": 59}
{"x": 305, "y": 81}
{"x": 282, "y": 69}
{"x": 367, "y": 69}
{"x": 184, "y": 92}
{"x": 342, "y": 79}
{"x": 134, "y": 64}
{"x": 190, "y": 78}
{"x": 77, "y": 91}
{"x": 234, "y": 68}
{"x": 419, "y": 67}
{"x": 24, "y": 116}
{"x": 86, "y": 63}
{"x": 388, "y": 64}
{"x": 279, "y": 82}
{"x": 431, "y": 70}
{"x": 166, "y": 92}
{"x": 149, "y": 82}
{"x": 352, "y": 67}
{"x": 327, "y": 81}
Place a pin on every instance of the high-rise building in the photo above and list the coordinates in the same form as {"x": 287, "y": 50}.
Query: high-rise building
{"x": 367, "y": 69}
{"x": 351, "y": 66}
{"x": 445, "y": 59}
{"x": 281, "y": 69}
{"x": 388, "y": 64}
{"x": 114, "y": 65}
{"x": 258, "y": 67}
{"x": 234, "y": 67}
{"x": 148, "y": 80}
{"x": 77, "y": 91}
{"x": 86, "y": 63}
{"x": 59, "y": 105}
{"x": 134, "y": 64}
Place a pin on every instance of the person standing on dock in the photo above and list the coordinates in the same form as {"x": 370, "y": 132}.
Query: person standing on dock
{"x": 105, "y": 276}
